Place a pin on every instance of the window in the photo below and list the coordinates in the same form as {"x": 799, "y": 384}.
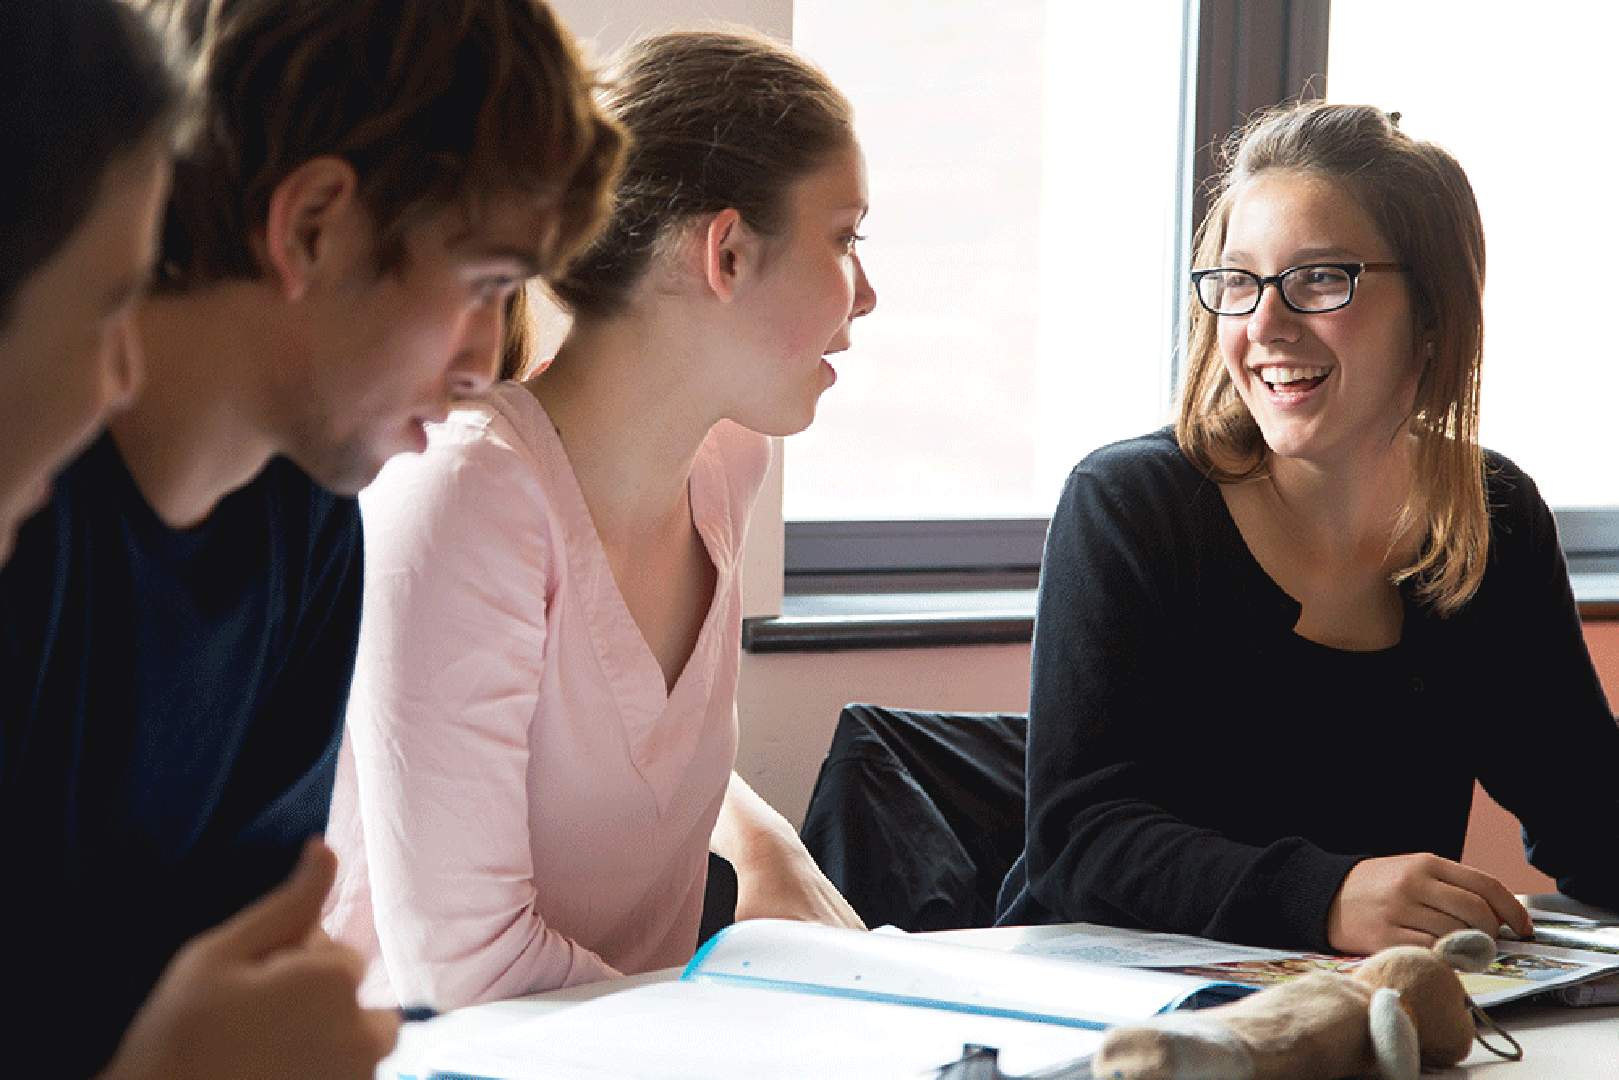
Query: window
{"x": 1032, "y": 164}
{"x": 1024, "y": 160}
{"x": 1536, "y": 149}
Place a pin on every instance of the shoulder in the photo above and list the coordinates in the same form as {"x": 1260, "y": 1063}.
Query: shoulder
{"x": 1506, "y": 486}
{"x": 476, "y": 463}
{"x": 1151, "y": 459}
{"x": 1144, "y": 480}
{"x": 476, "y": 497}
{"x": 1520, "y": 520}
{"x": 1514, "y": 501}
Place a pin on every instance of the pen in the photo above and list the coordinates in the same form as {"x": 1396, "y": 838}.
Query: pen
{"x": 415, "y": 1014}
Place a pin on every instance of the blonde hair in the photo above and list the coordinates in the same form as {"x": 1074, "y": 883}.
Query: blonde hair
{"x": 1419, "y": 198}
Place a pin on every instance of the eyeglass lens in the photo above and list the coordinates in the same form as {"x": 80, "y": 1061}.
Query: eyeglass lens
{"x": 1306, "y": 288}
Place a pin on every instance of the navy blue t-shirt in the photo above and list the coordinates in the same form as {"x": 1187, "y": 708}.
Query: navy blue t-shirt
{"x": 172, "y": 702}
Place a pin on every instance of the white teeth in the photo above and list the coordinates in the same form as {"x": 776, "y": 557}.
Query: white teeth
{"x": 1277, "y": 376}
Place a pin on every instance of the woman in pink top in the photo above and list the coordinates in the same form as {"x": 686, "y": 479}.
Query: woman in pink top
{"x": 543, "y": 723}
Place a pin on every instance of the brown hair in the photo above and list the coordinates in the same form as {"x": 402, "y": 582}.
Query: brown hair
{"x": 1423, "y": 205}
{"x": 516, "y": 337}
{"x": 717, "y": 120}
{"x": 435, "y": 103}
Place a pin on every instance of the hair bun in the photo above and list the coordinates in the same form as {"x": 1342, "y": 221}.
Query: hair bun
{"x": 1394, "y": 119}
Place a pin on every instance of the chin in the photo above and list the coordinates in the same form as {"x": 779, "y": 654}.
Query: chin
{"x": 347, "y": 470}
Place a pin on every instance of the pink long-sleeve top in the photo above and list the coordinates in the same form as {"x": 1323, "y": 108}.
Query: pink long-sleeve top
{"x": 520, "y": 805}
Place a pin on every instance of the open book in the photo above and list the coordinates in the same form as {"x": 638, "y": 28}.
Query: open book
{"x": 1521, "y": 969}
{"x": 768, "y": 999}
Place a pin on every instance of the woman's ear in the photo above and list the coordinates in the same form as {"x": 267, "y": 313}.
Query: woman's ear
{"x": 312, "y": 212}
{"x": 730, "y": 251}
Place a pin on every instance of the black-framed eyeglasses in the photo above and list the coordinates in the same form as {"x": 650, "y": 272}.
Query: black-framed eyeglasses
{"x": 1309, "y": 289}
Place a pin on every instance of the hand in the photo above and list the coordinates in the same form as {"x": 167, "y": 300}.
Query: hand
{"x": 779, "y": 880}
{"x": 1415, "y": 900}
{"x": 263, "y": 994}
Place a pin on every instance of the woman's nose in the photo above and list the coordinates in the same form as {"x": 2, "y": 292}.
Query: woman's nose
{"x": 865, "y": 297}
{"x": 1272, "y": 320}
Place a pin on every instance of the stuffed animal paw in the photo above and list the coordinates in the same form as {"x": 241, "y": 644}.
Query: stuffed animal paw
{"x": 1402, "y": 1009}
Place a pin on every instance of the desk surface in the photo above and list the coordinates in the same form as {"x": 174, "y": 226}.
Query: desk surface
{"x": 1558, "y": 1042}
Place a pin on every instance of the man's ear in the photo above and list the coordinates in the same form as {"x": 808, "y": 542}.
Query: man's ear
{"x": 730, "y": 251}
{"x": 311, "y": 216}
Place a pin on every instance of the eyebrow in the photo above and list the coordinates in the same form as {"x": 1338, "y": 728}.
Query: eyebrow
{"x": 521, "y": 256}
{"x": 1299, "y": 257}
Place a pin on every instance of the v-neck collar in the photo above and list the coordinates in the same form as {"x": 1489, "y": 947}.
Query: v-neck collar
{"x": 1273, "y": 606}
{"x": 631, "y": 669}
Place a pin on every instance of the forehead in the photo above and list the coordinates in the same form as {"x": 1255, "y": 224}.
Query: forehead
{"x": 517, "y": 228}
{"x": 838, "y": 183}
{"x": 111, "y": 249}
{"x": 1280, "y": 215}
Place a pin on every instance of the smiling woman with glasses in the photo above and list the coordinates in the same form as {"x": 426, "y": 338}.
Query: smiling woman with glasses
{"x": 1277, "y": 644}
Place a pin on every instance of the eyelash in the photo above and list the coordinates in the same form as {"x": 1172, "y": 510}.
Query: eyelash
{"x": 851, "y": 239}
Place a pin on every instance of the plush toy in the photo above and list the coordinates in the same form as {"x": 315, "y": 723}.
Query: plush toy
{"x": 1402, "y": 1009}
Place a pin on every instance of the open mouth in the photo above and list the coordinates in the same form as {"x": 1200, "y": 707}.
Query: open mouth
{"x": 1293, "y": 380}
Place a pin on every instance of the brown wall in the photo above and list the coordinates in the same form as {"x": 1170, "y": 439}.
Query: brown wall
{"x": 1493, "y": 842}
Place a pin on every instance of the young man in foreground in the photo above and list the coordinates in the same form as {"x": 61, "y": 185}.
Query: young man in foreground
{"x": 365, "y": 184}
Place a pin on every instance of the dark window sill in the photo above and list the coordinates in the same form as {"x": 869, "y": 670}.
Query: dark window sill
{"x": 893, "y": 620}
{"x": 911, "y": 620}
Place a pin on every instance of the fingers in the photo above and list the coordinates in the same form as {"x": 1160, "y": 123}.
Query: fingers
{"x": 1450, "y": 908}
{"x": 1442, "y": 896}
{"x": 1417, "y": 899}
{"x": 314, "y": 989}
{"x": 1405, "y": 935}
{"x": 1505, "y": 908}
{"x": 382, "y": 1027}
{"x": 285, "y": 916}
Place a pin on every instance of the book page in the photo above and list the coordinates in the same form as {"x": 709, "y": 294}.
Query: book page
{"x": 1097, "y": 944}
{"x": 712, "y": 1030}
{"x": 1520, "y": 970}
{"x": 915, "y": 971}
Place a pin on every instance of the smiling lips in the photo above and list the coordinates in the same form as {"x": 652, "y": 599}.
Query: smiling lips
{"x": 1292, "y": 381}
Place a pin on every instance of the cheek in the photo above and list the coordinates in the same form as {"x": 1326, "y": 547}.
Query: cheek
{"x": 62, "y": 388}
{"x": 1232, "y": 337}
{"x": 410, "y": 347}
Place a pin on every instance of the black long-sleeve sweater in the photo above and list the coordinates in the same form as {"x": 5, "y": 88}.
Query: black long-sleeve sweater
{"x": 1196, "y": 766}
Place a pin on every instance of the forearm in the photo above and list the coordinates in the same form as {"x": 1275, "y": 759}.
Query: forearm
{"x": 748, "y": 828}
{"x": 1104, "y": 848}
{"x": 776, "y": 875}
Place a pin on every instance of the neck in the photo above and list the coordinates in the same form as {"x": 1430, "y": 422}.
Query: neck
{"x": 625, "y": 397}
{"x": 200, "y": 427}
{"x": 1345, "y": 510}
